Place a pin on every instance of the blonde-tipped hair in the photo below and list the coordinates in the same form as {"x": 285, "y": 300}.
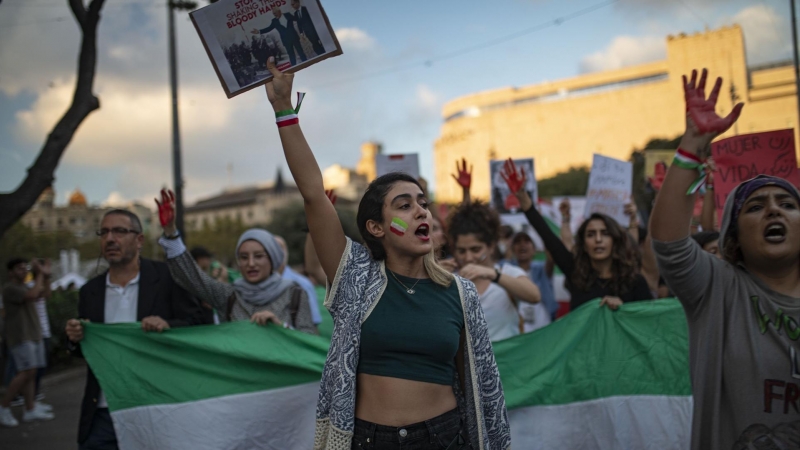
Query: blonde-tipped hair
{"x": 437, "y": 273}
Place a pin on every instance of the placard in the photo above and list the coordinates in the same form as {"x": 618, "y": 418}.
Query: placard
{"x": 502, "y": 199}
{"x": 740, "y": 158}
{"x": 408, "y": 163}
{"x": 610, "y": 188}
{"x": 240, "y": 35}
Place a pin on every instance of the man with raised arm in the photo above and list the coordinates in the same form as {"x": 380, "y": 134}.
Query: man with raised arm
{"x": 742, "y": 310}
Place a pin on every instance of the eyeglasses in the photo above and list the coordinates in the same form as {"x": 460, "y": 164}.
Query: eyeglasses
{"x": 116, "y": 231}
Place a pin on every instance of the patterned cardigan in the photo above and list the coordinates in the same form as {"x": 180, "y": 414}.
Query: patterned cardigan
{"x": 358, "y": 285}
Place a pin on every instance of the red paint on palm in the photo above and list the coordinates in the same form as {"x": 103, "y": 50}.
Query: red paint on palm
{"x": 515, "y": 178}
{"x": 464, "y": 178}
{"x": 702, "y": 110}
{"x": 166, "y": 208}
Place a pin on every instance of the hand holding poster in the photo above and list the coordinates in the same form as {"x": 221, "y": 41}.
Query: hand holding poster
{"x": 240, "y": 35}
{"x": 397, "y": 163}
{"x": 610, "y": 188}
{"x": 502, "y": 199}
{"x": 740, "y": 158}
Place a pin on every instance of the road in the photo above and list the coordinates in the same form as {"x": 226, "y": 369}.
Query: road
{"x": 63, "y": 391}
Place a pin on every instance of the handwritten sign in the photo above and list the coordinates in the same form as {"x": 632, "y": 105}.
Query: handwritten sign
{"x": 502, "y": 199}
{"x": 740, "y": 158}
{"x": 397, "y": 163}
{"x": 610, "y": 187}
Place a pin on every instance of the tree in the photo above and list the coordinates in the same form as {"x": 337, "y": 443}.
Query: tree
{"x": 289, "y": 222}
{"x": 41, "y": 174}
{"x": 572, "y": 182}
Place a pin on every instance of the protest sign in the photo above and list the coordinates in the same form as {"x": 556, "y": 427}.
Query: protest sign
{"x": 610, "y": 187}
{"x": 502, "y": 199}
{"x": 240, "y": 35}
{"x": 740, "y": 158}
{"x": 397, "y": 163}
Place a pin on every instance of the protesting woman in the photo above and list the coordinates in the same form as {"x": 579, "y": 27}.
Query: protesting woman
{"x": 602, "y": 265}
{"x": 742, "y": 310}
{"x": 410, "y": 363}
{"x": 261, "y": 295}
{"x": 474, "y": 229}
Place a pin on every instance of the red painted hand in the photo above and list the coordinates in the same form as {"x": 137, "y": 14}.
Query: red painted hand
{"x": 660, "y": 172}
{"x": 701, "y": 110}
{"x": 464, "y": 178}
{"x": 515, "y": 178}
{"x": 166, "y": 208}
{"x": 331, "y": 196}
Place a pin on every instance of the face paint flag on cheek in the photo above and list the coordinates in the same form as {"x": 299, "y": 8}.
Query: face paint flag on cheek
{"x": 398, "y": 227}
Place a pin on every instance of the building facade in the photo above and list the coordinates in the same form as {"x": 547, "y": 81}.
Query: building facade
{"x": 250, "y": 205}
{"x": 77, "y": 217}
{"x": 562, "y": 123}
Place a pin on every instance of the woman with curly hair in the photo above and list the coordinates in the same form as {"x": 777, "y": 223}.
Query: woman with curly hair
{"x": 410, "y": 364}
{"x": 474, "y": 229}
{"x": 601, "y": 264}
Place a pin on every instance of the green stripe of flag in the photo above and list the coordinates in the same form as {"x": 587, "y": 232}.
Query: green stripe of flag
{"x": 195, "y": 363}
{"x": 640, "y": 349}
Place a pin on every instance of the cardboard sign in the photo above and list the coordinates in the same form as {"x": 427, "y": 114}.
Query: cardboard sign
{"x": 240, "y": 35}
{"x": 397, "y": 163}
{"x": 610, "y": 188}
{"x": 502, "y": 199}
{"x": 741, "y": 158}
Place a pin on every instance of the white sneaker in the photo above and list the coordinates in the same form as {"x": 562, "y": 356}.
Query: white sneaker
{"x": 43, "y": 407}
{"x": 6, "y": 418}
{"x": 37, "y": 414}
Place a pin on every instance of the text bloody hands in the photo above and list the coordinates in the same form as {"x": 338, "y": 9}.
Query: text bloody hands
{"x": 702, "y": 120}
{"x": 166, "y": 211}
{"x": 464, "y": 178}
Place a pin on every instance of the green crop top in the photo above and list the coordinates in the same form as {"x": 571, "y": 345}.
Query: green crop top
{"x": 413, "y": 336}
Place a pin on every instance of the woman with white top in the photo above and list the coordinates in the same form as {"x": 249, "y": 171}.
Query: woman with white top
{"x": 474, "y": 230}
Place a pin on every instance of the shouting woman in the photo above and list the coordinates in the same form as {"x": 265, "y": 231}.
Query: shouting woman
{"x": 410, "y": 363}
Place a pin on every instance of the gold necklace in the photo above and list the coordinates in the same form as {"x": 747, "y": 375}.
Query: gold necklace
{"x": 410, "y": 290}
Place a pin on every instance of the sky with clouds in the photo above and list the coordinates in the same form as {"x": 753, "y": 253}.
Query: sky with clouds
{"x": 122, "y": 151}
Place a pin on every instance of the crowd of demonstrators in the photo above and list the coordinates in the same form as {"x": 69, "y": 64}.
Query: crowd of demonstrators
{"x": 410, "y": 342}
{"x": 601, "y": 264}
{"x": 25, "y": 339}
{"x": 474, "y": 229}
{"x": 262, "y": 295}
{"x": 134, "y": 289}
{"x": 742, "y": 360}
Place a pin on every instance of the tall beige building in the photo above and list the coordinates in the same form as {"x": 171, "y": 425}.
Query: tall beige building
{"x": 562, "y": 123}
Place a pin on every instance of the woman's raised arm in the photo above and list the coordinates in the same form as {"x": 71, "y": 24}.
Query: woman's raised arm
{"x": 674, "y": 205}
{"x": 323, "y": 222}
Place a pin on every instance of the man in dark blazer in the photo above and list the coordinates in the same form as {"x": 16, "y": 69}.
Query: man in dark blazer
{"x": 134, "y": 289}
{"x": 306, "y": 26}
{"x": 284, "y": 23}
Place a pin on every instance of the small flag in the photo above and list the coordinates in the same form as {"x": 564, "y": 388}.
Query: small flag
{"x": 398, "y": 227}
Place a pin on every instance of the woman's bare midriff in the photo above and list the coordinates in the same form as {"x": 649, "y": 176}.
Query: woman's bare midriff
{"x": 396, "y": 402}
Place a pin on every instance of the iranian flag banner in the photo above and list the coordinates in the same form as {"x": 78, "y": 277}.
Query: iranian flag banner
{"x": 596, "y": 379}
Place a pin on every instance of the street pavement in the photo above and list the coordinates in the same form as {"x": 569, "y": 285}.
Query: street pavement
{"x": 63, "y": 391}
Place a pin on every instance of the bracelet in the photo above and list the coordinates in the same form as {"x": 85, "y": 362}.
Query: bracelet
{"x": 497, "y": 278}
{"x": 689, "y": 161}
{"x": 288, "y": 117}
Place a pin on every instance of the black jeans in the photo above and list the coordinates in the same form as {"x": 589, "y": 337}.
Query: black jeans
{"x": 102, "y": 436}
{"x": 433, "y": 434}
